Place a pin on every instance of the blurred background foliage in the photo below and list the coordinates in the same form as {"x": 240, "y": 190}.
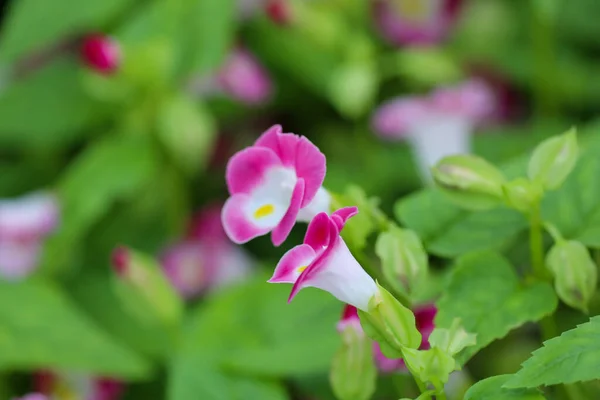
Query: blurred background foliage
{"x": 133, "y": 153}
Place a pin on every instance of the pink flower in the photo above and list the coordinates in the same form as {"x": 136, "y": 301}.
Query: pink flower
{"x": 279, "y": 11}
{"x": 269, "y": 184}
{"x": 349, "y": 318}
{"x": 424, "y": 316}
{"x": 101, "y": 53}
{"x": 243, "y": 78}
{"x": 325, "y": 262}
{"x": 438, "y": 124}
{"x": 415, "y": 22}
{"x": 206, "y": 259}
{"x": 79, "y": 386}
{"x": 24, "y": 224}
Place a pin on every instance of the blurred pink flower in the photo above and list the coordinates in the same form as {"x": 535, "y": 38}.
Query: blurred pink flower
{"x": 415, "y": 22}
{"x": 244, "y": 79}
{"x": 279, "y": 11}
{"x": 32, "y": 396}
{"x": 24, "y": 223}
{"x": 66, "y": 386}
{"x": 424, "y": 316}
{"x": 206, "y": 259}
{"x": 101, "y": 53}
{"x": 438, "y": 124}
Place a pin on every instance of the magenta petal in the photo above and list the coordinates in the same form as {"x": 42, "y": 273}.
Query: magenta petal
{"x": 286, "y": 269}
{"x": 310, "y": 166}
{"x": 269, "y": 138}
{"x": 344, "y": 215}
{"x": 281, "y": 231}
{"x": 246, "y": 169}
{"x": 238, "y": 228}
{"x": 317, "y": 234}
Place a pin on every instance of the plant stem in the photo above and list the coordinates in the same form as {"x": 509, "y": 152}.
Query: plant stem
{"x": 420, "y": 384}
{"x": 440, "y": 396}
{"x": 536, "y": 245}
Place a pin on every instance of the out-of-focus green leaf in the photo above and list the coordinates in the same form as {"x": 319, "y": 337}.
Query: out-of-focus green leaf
{"x": 33, "y": 24}
{"x": 571, "y": 357}
{"x": 187, "y": 131}
{"x": 487, "y": 280}
{"x": 492, "y": 389}
{"x": 207, "y": 29}
{"x": 48, "y": 108}
{"x": 45, "y": 330}
{"x": 449, "y": 231}
{"x": 110, "y": 170}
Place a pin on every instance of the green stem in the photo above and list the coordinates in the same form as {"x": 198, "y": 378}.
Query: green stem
{"x": 536, "y": 245}
{"x": 440, "y": 396}
{"x": 420, "y": 384}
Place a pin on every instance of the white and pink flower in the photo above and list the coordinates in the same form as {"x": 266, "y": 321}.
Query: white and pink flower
{"x": 325, "y": 262}
{"x": 270, "y": 183}
{"x": 24, "y": 223}
{"x": 205, "y": 259}
{"x": 67, "y": 386}
{"x": 438, "y": 124}
{"x": 243, "y": 78}
{"x": 415, "y": 22}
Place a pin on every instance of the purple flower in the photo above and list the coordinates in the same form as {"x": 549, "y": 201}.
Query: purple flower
{"x": 415, "y": 22}
{"x": 24, "y": 224}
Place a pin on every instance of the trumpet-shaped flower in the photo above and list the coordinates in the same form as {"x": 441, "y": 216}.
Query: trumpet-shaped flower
{"x": 438, "y": 124}
{"x": 424, "y": 317}
{"x": 269, "y": 183}
{"x": 415, "y": 22}
{"x": 24, "y": 223}
{"x": 77, "y": 386}
{"x": 325, "y": 262}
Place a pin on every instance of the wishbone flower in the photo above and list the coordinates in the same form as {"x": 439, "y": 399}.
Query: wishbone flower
{"x": 325, "y": 262}
{"x": 270, "y": 183}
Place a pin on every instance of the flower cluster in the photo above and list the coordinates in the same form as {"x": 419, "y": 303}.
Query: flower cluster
{"x": 24, "y": 224}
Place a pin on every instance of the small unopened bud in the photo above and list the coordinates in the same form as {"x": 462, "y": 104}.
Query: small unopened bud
{"x": 522, "y": 194}
{"x": 390, "y": 324}
{"x": 575, "y": 274}
{"x": 279, "y": 11}
{"x": 553, "y": 160}
{"x": 144, "y": 289}
{"x": 433, "y": 365}
{"x": 452, "y": 340}
{"x": 403, "y": 258}
{"x": 353, "y": 373}
{"x": 101, "y": 53}
{"x": 469, "y": 181}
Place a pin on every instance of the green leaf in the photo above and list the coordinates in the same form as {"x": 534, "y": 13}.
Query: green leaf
{"x": 492, "y": 389}
{"x": 448, "y": 231}
{"x": 503, "y": 303}
{"x": 554, "y": 159}
{"x": 111, "y": 169}
{"x": 48, "y": 331}
{"x": 571, "y": 357}
{"x": 48, "y": 108}
{"x": 35, "y": 24}
{"x": 207, "y": 30}
{"x": 187, "y": 131}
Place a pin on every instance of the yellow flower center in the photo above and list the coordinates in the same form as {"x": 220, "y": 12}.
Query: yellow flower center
{"x": 301, "y": 269}
{"x": 415, "y": 10}
{"x": 264, "y": 211}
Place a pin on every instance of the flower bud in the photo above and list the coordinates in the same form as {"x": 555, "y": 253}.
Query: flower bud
{"x": 353, "y": 87}
{"x": 390, "y": 324}
{"x": 403, "y": 258}
{"x": 279, "y": 11}
{"x": 469, "y": 181}
{"x": 101, "y": 53}
{"x": 353, "y": 372}
{"x": 433, "y": 365}
{"x": 553, "y": 160}
{"x": 575, "y": 274}
{"x": 522, "y": 194}
{"x": 453, "y": 339}
{"x": 144, "y": 289}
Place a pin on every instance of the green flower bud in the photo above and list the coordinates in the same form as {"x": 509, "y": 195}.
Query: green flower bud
{"x": 433, "y": 365}
{"x": 554, "y": 159}
{"x": 574, "y": 271}
{"x": 469, "y": 181}
{"x": 353, "y": 86}
{"x": 390, "y": 324}
{"x": 353, "y": 373}
{"x": 403, "y": 258}
{"x": 144, "y": 290}
{"x": 522, "y": 194}
{"x": 452, "y": 340}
